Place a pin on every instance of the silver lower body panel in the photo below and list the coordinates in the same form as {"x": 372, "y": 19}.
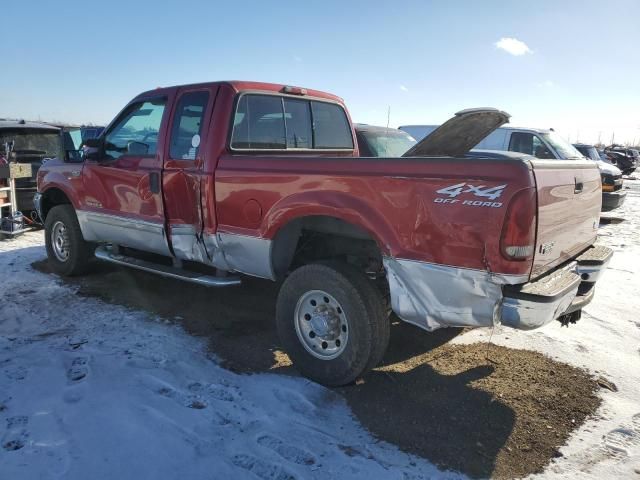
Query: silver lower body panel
{"x": 226, "y": 251}
{"x": 143, "y": 235}
{"x": 434, "y": 296}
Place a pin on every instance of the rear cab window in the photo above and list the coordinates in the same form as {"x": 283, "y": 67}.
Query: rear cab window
{"x": 277, "y": 122}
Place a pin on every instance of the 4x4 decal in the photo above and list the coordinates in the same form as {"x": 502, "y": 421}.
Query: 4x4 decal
{"x": 453, "y": 191}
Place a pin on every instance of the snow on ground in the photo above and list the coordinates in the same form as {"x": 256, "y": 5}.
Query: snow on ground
{"x": 96, "y": 391}
{"x": 91, "y": 390}
{"x": 606, "y": 341}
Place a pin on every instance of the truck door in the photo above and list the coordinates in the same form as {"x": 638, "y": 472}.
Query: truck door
{"x": 122, "y": 202}
{"x": 184, "y": 172}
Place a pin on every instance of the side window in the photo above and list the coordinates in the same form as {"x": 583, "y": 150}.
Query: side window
{"x": 187, "y": 125}
{"x": 540, "y": 149}
{"x": 330, "y": 126}
{"x": 259, "y": 123}
{"x": 521, "y": 142}
{"x": 530, "y": 144}
{"x": 298, "y": 120}
{"x": 136, "y": 133}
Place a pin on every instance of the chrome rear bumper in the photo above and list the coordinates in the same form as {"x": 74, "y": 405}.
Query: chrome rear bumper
{"x": 559, "y": 293}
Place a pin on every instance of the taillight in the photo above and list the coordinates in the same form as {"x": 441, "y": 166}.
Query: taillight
{"x": 519, "y": 230}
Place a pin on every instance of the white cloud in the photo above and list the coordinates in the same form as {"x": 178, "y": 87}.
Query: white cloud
{"x": 547, "y": 84}
{"x": 403, "y": 88}
{"x": 297, "y": 59}
{"x": 513, "y": 46}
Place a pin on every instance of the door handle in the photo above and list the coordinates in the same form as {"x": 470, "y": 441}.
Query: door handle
{"x": 578, "y": 188}
{"x": 154, "y": 182}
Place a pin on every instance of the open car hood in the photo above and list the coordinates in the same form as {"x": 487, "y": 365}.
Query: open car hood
{"x": 459, "y": 134}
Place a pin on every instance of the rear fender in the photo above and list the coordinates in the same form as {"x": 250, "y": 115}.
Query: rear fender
{"x": 334, "y": 204}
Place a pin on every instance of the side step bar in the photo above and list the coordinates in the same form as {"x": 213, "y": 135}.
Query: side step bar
{"x": 103, "y": 253}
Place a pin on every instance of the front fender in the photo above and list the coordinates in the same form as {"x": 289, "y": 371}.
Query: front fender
{"x": 63, "y": 177}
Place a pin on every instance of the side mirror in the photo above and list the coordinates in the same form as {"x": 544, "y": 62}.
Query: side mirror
{"x": 93, "y": 149}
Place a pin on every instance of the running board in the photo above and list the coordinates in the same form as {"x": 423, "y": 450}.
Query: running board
{"x": 103, "y": 253}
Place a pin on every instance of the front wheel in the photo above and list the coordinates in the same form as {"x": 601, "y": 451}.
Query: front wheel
{"x": 68, "y": 252}
{"x": 332, "y": 323}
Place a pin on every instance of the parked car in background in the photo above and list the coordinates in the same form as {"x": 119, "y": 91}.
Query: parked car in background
{"x": 268, "y": 181}
{"x": 418, "y": 132}
{"x": 90, "y": 131}
{"x": 613, "y": 194}
{"x": 382, "y": 141}
{"x": 540, "y": 143}
{"x": 626, "y": 159}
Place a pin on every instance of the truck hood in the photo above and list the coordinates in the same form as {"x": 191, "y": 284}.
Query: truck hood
{"x": 459, "y": 134}
{"x": 608, "y": 168}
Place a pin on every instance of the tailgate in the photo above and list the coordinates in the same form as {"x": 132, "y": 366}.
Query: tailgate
{"x": 569, "y": 201}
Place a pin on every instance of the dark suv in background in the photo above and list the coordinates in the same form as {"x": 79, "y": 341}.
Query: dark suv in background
{"x": 613, "y": 194}
{"x": 34, "y": 142}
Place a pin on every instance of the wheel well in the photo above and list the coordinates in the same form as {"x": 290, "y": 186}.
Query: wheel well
{"x": 310, "y": 239}
{"x": 51, "y": 198}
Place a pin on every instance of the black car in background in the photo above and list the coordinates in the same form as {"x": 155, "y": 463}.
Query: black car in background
{"x": 626, "y": 159}
{"x": 613, "y": 194}
{"x": 382, "y": 141}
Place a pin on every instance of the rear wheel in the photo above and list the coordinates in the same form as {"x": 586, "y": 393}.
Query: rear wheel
{"x": 331, "y": 321}
{"x": 68, "y": 252}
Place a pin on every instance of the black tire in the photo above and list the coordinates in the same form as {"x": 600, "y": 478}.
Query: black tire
{"x": 79, "y": 252}
{"x": 364, "y": 312}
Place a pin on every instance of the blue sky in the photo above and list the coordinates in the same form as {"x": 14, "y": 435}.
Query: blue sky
{"x": 75, "y": 62}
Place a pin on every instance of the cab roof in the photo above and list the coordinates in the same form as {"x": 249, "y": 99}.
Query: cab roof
{"x": 23, "y": 124}
{"x": 244, "y": 86}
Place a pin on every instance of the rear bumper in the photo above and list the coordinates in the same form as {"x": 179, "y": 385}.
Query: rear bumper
{"x": 612, "y": 200}
{"x": 559, "y": 293}
{"x": 434, "y": 296}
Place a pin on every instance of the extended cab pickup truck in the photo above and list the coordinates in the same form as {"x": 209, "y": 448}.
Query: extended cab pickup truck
{"x": 244, "y": 178}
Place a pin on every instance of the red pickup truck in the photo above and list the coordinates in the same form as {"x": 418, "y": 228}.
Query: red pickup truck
{"x": 228, "y": 178}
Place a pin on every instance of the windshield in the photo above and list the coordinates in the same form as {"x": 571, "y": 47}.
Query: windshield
{"x": 390, "y": 143}
{"x": 561, "y": 146}
{"x": 42, "y": 143}
{"x": 589, "y": 152}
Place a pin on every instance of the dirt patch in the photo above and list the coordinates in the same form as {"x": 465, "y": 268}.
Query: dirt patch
{"x": 484, "y": 410}
{"x": 480, "y": 409}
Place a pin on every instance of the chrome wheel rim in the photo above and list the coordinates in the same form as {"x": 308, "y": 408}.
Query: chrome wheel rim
{"x": 321, "y": 324}
{"x": 60, "y": 241}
